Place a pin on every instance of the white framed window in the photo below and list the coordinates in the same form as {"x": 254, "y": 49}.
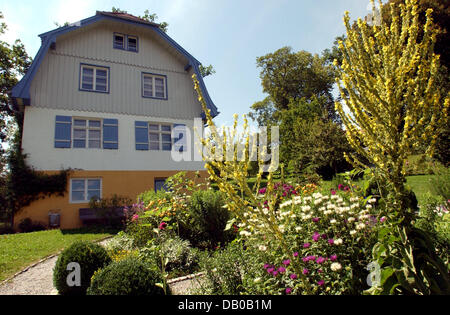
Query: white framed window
{"x": 154, "y": 86}
{"x": 160, "y": 137}
{"x": 87, "y": 133}
{"x": 82, "y": 190}
{"x": 94, "y": 78}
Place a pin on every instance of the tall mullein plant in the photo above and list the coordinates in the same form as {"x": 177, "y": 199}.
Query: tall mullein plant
{"x": 228, "y": 167}
{"x": 388, "y": 82}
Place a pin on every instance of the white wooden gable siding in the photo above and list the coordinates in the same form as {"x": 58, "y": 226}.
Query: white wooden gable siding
{"x": 56, "y": 84}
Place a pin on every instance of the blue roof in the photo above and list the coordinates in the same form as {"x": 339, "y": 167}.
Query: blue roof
{"x": 22, "y": 89}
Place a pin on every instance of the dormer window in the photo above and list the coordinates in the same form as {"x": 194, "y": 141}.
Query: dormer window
{"x": 125, "y": 42}
{"x": 132, "y": 43}
{"x": 119, "y": 41}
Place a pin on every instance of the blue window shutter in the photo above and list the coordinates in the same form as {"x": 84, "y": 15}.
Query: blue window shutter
{"x": 141, "y": 135}
{"x": 63, "y": 131}
{"x": 179, "y": 138}
{"x": 110, "y": 134}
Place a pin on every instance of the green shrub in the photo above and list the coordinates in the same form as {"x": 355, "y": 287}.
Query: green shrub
{"x": 126, "y": 277}
{"x": 208, "y": 219}
{"x": 434, "y": 218}
{"x": 121, "y": 241}
{"x": 441, "y": 182}
{"x": 226, "y": 270}
{"x": 151, "y": 195}
{"x": 91, "y": 257}
{"x": 27, "y": 225}
{"x": 179, "y": 257}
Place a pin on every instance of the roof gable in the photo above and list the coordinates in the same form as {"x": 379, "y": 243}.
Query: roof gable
{"x": 21, "y": 92}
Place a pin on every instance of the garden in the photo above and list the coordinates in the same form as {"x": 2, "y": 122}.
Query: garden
{"x": 268, "y": 228}
{"x": 356, "y": 204}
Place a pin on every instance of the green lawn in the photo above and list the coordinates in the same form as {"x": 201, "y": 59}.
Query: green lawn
{"x": 18, "y": 251}
{"x": 421, "y": 185}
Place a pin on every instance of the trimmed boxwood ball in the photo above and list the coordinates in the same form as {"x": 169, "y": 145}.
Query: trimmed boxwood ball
{"x": 91, "y": 257}
{"x": 126, "y": 277}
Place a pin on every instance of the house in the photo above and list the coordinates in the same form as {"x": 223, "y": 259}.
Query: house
{"x": 103, "y": 97}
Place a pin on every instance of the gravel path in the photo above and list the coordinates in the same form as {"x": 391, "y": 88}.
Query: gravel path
{"x": 35, "y": 280}
{"x": 38, "y": 280}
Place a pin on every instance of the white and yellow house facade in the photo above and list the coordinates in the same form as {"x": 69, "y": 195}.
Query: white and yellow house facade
{"x": 103, "y": 97}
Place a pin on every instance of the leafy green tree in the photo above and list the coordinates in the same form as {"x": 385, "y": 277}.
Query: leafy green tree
{"x": 287, "y": 75}
{"x": 264, "y": 112}
{"x": 311, "y": 144}
{"x": 14, "y": 62}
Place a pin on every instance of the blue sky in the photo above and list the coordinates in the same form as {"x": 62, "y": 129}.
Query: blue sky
{"x": 229, "y": 34}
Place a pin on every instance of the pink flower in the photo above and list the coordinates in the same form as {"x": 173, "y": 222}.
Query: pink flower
{"x": 281, "y": 270}
{"x": 305, "y": 271}
{"x": 320, "y": 282}
{"x": 266, "y": 266}
{"x": 383, "y": 219}
{"x": 316, "y": 237}
{"x": 135, "y": 217}
{"x": 287, "y": 262}
{"x": 320, "y": 271}
{"x": 320, "y": 260}
{"x": 315, "y": 220}
{"x": 296, "y": 254}
{"x": 262, "y": 191}
{"x": 270, "y": 270}
{"x": 306, "y": 245}
{"x": 288, "y": 290}
{"x": 293, "y": 276}
{"x": 340, "y": 186}
{"x": 333, "y": 192}
{"x": 331, "y": 241}
{"x": 275, "y": 273}
{"x": 163, "y": 225}
{"x": 333, "y": 257}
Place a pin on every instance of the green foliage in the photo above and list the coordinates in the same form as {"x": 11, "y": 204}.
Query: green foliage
{"x": 264, "y": 112}
{"x": 421, "y": 165}
{"x": 409, "y": 263}
{"x": 311, "y": 145}
{"x": 151, "y": 195}
{"x": 206, "y": 70}
{"x": 434, "y": 219}
{"x": 27, "y": 225}
{"x": 126, "y": 277}
{"x": 288, "y": 75}
{"x": 91, "y": 257}
{"x": 121, "y": 241}
{"x": 441, "y": 183}
{"x": 26, "y": 185}
{"x": 177, "y": 255}
{"x": 14, "y": 62}
{"x": 225, "y": 270}
{"x": 207, "y": 219}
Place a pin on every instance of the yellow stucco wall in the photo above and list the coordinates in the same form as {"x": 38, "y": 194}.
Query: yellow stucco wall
{"x": 123, "y": 183}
